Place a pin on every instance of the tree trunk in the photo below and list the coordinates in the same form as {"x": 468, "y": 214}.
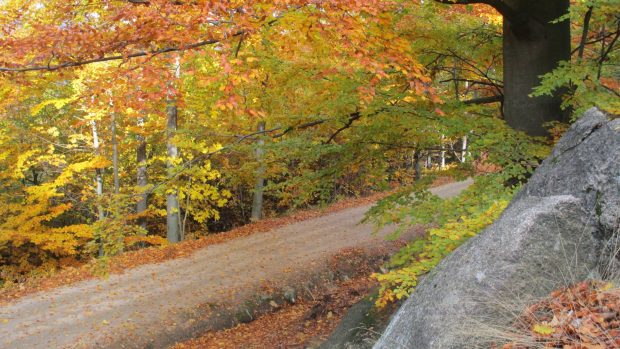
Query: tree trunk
{"x": 257, "y": 203}
{"x": 532, "y": 47}
{"x": 442, "y": 163}
{"x": 142, "y": 179}
{"x": 416, "y": 165}
{"x": 117, "y": 183}
{"x": 173, "y": 221}
{"x": 98, "y": 182}
{"x": 464, "y": 149}
{"x": 98, "y": 172}
{"x": 173, "y": 213}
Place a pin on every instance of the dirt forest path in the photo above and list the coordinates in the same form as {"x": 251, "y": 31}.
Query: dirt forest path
{"x": 157, "y": 297}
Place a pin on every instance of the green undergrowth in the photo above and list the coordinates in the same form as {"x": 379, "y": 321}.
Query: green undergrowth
{"x": 509, "y": 156}
{"x": 455, "y": 220}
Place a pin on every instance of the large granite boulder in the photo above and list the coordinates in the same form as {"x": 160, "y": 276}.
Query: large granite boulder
{"x": 560, "y": 229}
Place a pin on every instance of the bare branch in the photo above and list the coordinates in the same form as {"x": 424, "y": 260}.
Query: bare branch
{"x": 584, "y": 34}
{"x": 474, "y": 82}
{"x": 352, "y": 118}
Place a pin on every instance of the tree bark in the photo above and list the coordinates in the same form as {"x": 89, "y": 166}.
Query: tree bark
{"x": 584, "y": 33}
{"x": 416, "y": 165}
{"x": 142, "y": 178}
{"x": 173, "y": 221}
{"x": 533, "y": 46}
{"x": 98, "y": 182}
{"x": 98, "y": 172}
{"x": 257, "y": 202}
{"x": 464, "y": 149}
{"x": 117, "y": 183}
{"x": 173, "y": 214}
{"x": 442, "y": 163}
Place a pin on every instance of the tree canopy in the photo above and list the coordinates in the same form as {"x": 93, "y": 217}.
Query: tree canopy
{"x": 120, "y": 118}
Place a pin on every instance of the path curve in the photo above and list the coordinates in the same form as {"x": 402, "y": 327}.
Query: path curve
{"x": 150, "y": 298}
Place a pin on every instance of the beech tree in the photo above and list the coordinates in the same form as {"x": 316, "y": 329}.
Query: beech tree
{"x": 105, "y": 149}
{"x": 535, "y": 41}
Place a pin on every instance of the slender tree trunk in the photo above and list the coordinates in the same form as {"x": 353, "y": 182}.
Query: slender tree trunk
{"x": 173, "y": 213}
{"x": 257, "y": 203}
{"x": 533, "y": 46}
{"x": 98, "y": 172}
{"x": 98, "y": 181}
{"x": 455, "y": 77}
{"x": 416, "y": 165}
{"x": 584, "y": 33}
{"x": 172, "y": 198}
{"x": 117, "y": 183}
{"x": 464, "y": 149}
{"x": 142, "y": 179}
{"x": 443, "y": 153}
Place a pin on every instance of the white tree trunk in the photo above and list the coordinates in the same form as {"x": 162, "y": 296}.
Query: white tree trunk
{"x": 464, "y": 149}
{"x": 98, "y": 172}
{"x": 98, "y": 182}
{"x": 443, "y": 153}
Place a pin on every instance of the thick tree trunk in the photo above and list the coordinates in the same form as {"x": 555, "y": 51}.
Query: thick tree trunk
{"x": 142, "y": 179}
{"x": 533, "y": 46}
{"x": 257, "y": 203}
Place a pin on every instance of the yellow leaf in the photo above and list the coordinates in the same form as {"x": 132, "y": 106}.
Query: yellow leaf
{"x": 57, "y": 103}
{"x": 544, "y": 330}
{"x": 608, "y": 286}
{"x": 53, "y": 131}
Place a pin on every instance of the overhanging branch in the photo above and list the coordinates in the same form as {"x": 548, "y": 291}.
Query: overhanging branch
{"x": 349, "y": 123}
{"x": 117, "y": 57}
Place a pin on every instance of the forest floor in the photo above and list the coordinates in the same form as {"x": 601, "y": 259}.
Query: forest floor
{"x": 305, "y": 324}
{"x": 153, "y": 305}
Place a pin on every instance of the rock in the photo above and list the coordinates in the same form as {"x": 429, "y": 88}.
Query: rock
{"x": 536, "y": 245}
{"x": 556, "y": 231}
{"x": 586, "y": 164}
{"x": 244, "y": 315}
{"x": 351, "y": 324}
{"x": 290, "y": 295}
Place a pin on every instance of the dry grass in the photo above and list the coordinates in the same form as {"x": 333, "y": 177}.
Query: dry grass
{"x": 586, "y": 316}
{"x": 578, "y": 314}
